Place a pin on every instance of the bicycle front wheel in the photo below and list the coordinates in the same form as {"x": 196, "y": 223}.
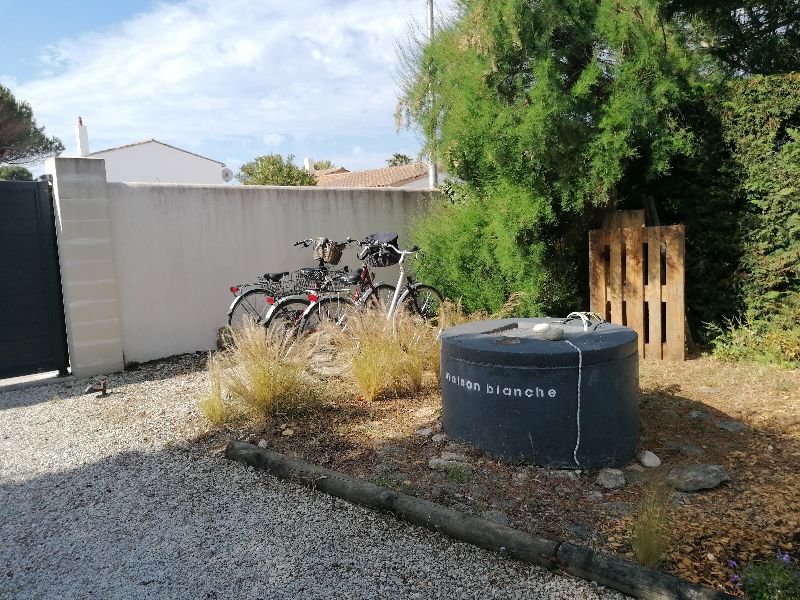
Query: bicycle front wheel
{"x": 425, "y": 301}
{"x": 381, "y": 298}
{"x": 252, "y": 305}
{"x": 330, "y": 309}
{"x": 284, "y": 319}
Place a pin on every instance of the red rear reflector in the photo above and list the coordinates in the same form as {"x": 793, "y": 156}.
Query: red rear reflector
{"x": 234, "y": 289}
{"x": 313, "y": 297}
{"x": 270, "y": 300}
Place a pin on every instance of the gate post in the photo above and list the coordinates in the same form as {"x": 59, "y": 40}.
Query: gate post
{"x": 88, "y": 275}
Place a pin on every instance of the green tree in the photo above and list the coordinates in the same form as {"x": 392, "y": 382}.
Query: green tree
{"x": 320, "y": 165}
{"x": 550, "y": 112}
{"x": 398, "y": 159}
{"x": 273, "y": 169}
{"x": 15, "y": 173}
{"x": 21, "y": 140}
{"x": 745, "y": 37}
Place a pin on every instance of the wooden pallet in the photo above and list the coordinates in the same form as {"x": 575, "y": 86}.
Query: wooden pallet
{"x": 636, "y": 279}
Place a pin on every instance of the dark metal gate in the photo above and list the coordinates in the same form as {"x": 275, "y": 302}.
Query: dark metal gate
{"x": 32, "y": 330}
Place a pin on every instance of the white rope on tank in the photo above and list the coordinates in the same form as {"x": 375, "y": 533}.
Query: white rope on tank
{"x": 578, "y": 414}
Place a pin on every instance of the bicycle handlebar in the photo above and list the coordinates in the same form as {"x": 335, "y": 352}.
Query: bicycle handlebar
{"x": 362, "y": 254}
{"x": 310, "y": 241}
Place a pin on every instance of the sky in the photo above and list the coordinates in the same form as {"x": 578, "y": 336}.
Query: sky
{"x": 227, "y": 79}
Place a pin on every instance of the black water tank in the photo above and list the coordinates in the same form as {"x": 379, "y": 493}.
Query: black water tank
{"x": 511, "y": 388}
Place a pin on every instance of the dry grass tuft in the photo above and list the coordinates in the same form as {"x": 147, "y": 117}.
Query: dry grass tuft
{"x": 650, "y": 537}
{"x": 452, "y": 313}
{"x": 212, "y": 405}
{"x": 509, "y": 308}
{"x": 388, "y": 357}
{"x": 264, "y": 374}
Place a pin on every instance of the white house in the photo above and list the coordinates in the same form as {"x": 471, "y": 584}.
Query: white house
{"x": 152, "y": 161}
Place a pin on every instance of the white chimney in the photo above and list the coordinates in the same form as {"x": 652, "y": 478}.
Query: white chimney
{"x": 82, "y": 137}
{"x": 433, "y": 176}
{"x": 308, "y": 164}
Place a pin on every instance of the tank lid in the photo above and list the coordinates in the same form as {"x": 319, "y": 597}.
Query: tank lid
{"x": 539, "y": 342}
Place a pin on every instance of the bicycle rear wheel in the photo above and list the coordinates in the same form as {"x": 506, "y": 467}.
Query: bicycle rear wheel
{"x": 285, "y": 317}
{"x": 251, "y": 305}
{"x": 425, "y": 301}
{"x": 330, "y": 309}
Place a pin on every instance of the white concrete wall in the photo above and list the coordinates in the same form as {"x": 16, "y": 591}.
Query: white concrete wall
{"x": 88, "y": 272}
{"x": 152, "y": 162}
{"x": 176, "y": 249}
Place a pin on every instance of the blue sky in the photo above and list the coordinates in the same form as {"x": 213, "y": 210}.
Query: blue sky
{"x": 229, "y": 79}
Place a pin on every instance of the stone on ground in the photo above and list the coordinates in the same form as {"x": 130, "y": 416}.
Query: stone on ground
{"x": 649, "y": 459}
{"x": 611, "y": 479}
{"x": 691, "y": 478}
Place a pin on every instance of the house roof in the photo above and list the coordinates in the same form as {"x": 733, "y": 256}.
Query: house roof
{"x": 385, "y": 177}
{"x": 330, "y": 171}
{"x": 154, "y": 141}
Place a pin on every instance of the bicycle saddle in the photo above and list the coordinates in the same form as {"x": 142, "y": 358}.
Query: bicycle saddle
{"x": 275, "y": 276}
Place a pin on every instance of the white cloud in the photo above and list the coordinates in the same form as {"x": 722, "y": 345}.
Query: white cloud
{"x": 194, "y": 72}
{"x": 273, "y": 140}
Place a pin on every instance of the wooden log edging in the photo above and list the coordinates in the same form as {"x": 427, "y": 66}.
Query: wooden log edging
{"x": 613, "y": 572}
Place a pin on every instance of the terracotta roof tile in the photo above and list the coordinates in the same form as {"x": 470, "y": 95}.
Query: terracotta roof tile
{"x": 385, "y": 177}
{"x": 330, "y": 171}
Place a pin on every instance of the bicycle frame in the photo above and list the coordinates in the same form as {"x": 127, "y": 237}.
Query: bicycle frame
{"x": 399, "y": 293}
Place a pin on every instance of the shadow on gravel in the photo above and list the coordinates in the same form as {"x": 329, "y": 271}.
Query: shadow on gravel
{"x": 156, "y": 370}
{"x": 172, "y": 524}
{"x": 136, "y": 525}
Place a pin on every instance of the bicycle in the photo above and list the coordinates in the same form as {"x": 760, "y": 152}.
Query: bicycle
{"x": 330, "y": 304}
{"x": 420, "y": 298}
{"x": 379, "y": 250}
{"x": 260, "y": 297}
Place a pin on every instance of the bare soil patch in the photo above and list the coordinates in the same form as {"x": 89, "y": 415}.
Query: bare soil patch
{"x": 746, "y": 519}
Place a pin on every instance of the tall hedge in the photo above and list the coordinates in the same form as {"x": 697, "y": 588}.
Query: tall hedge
{"x": 762, "y": 122}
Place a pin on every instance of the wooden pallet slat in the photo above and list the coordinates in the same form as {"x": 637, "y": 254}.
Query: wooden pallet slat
{"x": 614, "y": 293}
{"x": 653, "y": 293}
{"x": 676, "y": 340}
{"x": 646, "y": 272}
{"x": 634, "y": 282}
{"x": 598, "y": 240}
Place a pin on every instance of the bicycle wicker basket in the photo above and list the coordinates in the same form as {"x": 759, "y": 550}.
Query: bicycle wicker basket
{"x": 328, "y": 250}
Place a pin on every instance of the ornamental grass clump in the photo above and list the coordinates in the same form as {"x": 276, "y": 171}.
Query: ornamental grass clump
{"x": 262, "y": 373}
{"x": 212, "y": 405}
{"x": 650, "y": 537}
{"x": 389, "y": 357}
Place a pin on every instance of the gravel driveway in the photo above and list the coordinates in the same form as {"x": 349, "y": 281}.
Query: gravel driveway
{"x": 103, "y": 498}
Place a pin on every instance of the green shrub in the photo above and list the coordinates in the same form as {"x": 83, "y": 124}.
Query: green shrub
{"x": 762, "y": 118}
{"x": 761, "y": 121}
{"x": 776, "y": 341}
{"x": 774, "y": 579}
